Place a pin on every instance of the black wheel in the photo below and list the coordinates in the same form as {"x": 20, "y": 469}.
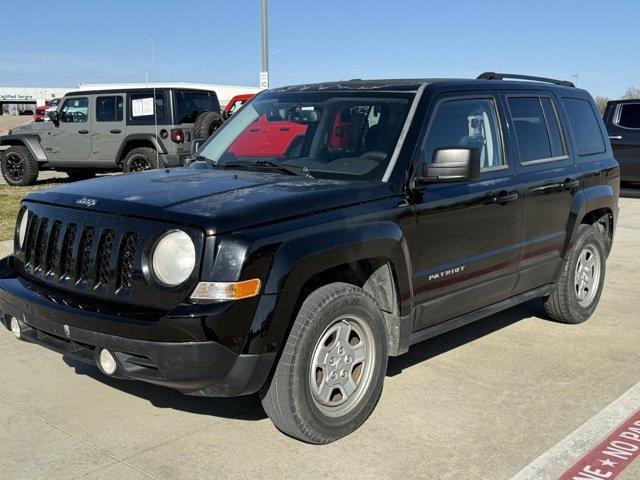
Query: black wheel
{"x": 19, "y": 167}
{"x": 78, "y": 175}
{"x": 330, "y": 374}
{"x": 206, "y": 124}
{"x": 577, "y": 291}
{"x": 140, "y": 159}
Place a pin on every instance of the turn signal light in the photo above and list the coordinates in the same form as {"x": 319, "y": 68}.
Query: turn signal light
{"x": 177, "y": 135}
{"x": 226, "y": 290}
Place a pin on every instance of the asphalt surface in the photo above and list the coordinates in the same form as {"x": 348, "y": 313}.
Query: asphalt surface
{"x": 482, "y": 402}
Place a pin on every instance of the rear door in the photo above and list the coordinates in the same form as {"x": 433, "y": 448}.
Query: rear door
{"x": 109, "y": 128}
{"x": 71, "y": 138}
{"x": 624, "y": 133}
{"x": 550, "y": 180}
{"x": 466, "y": 249}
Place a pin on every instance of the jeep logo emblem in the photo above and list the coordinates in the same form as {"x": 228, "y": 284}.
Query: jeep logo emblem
{"x": 87, "y": 202}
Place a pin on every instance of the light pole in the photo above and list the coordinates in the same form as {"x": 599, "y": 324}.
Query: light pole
{"x": 576, "y": 77}
{"x": 264, "y": 73}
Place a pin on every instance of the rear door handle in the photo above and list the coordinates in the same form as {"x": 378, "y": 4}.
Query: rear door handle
{"x": 569, "y": 184}
{"x": 503, "y": 198}
{"x": 83, "y": 132}
{"x": 115, "y": 130}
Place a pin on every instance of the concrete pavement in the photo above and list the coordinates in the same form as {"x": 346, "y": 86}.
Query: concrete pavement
{"x": 481, "y": 402}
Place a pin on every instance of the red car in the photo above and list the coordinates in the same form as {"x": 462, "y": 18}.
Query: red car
{"x": 235, "y": 103}
{"x": 267, "y": 138}
{"x": 40, "y": 113}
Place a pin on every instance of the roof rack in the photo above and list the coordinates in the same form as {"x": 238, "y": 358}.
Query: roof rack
{"x": 502, "y": 76}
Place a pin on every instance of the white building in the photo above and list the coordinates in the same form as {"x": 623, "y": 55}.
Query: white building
{"x": 39, "y": 94}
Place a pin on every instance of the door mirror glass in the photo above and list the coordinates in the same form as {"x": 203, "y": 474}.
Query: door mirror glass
{"x": 457, "y": 164}
{"x": 53, "y": 116}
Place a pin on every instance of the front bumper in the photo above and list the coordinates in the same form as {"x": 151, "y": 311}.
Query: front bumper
{"x": 204, "y": 368}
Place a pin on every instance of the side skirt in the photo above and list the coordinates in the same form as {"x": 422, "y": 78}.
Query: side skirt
{"x": 470, "y": 317}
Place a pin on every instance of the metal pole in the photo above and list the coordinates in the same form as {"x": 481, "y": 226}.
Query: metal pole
{"x": 264, "y": 74}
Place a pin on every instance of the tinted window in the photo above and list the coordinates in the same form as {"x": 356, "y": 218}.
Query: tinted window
{"x": 584, "y": 125}
{"x": 630, "y": 116}
{"x": 142, "y": 109}
{"x": 531, "y": 128}
{"x": 190, "y": 104}
{"x": 553, "y": 126}
{"x": 466, "y": 123}
{"x": 109, "y": 109}
{"x": 74, "y": 110}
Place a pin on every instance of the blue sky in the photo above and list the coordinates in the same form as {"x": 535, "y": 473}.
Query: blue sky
{"x": 63, "y": 43}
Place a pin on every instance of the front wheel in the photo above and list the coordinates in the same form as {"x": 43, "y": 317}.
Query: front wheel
{"x": 577, "y": 291}
{"x": 330, "y": 375}
{"x": 19, "y": 167}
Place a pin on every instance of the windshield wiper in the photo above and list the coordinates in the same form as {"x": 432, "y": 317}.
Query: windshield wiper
{"x": 201, "y": 158}
{"x": 291, "y": 170}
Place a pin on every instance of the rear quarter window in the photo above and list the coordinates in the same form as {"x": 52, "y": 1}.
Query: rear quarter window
{"x": 585, "y": 127}
{"x": 630, "y": 115}
{"x": 188, "y": 105}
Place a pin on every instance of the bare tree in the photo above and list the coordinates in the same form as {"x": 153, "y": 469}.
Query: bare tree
{"x": 601, "y": 102}
{"x": 631, "y": 94}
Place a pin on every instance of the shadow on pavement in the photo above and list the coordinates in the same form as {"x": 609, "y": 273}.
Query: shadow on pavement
{"x": 240, "y": 408}
{"x": 630, "y": 191}
{"x": 433, "y": 347}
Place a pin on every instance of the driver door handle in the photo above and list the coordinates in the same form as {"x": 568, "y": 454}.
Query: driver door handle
{"x": 569, "y": 184}
{"x": 502, "y": 198}
{"x": 115, "y": 130}
{"x": 83, "y": 132}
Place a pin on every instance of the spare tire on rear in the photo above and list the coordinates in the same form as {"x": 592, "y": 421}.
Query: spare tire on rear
{"x": 206, "y": 124}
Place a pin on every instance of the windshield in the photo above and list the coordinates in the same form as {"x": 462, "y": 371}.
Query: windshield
{"x": 345, "y": 136}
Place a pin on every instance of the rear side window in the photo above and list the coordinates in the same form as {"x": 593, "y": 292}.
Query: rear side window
{"x": 537, "y": 128}
{"x": 109, "y": 109}
{"x": 630, "y": 115}
{"x": 190, "y": 104}
{"x": 584, "y": 125}
{"x": 142, "y": 110}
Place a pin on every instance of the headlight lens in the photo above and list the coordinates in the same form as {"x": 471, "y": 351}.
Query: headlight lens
{"x": 22, "y": 229}
{"x": 173, "y": 258}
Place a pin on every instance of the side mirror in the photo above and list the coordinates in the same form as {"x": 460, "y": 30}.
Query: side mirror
{"x": 54, "y": 116}
{"x": 196, "y": 143}
{"x": 457, "y": 164}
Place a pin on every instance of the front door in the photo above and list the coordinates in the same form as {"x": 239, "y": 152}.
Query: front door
{"x": 466, "y": 248}
{"x": 109, "y": 128}
{"x": 624, "y": 133}
{"x": 72, "y": 137}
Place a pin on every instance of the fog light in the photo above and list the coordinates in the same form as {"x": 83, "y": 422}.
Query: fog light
{"x": 15, "y": 327}
{"x": 107, "y": 362}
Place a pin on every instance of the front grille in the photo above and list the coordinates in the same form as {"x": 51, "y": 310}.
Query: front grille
{"x": 51, "y": 249}
{"x": 99, "y": 255}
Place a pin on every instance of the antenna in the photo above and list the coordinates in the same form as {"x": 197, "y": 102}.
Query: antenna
{"x": 155, "y": 107}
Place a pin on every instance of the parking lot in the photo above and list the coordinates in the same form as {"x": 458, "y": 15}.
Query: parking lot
{"x": 484, "y": 401}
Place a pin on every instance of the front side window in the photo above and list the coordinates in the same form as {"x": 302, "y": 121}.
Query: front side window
{"x": 346, "y": 136}
{"x": 470, "y": 123}
{"x": 75, "y": 110}
{"x": 190, "y": 104}
{"x": 630, "y": 115}
{"x": 585, "y": 126}
{"x": 142, "y": 110}
{"x": 109, "y": 109}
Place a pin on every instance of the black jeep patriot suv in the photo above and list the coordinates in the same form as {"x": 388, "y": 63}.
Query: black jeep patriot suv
{"x": 322, "y": 229}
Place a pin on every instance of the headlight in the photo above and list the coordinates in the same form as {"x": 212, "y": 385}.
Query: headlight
{"x": 22, "y": 229}
{"x": 173, "y": 258}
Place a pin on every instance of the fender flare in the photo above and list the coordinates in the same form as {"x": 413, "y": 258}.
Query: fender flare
{"x": 31, "y": 141}
{"x": 298, "y": 259}
{"x": 150, "y": 137}
{"x": 588, "y": 200}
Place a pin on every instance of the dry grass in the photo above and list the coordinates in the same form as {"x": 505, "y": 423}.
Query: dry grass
{"x": 10, "y": 198}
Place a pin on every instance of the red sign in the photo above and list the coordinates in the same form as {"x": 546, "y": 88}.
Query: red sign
{"x": 610, "y": 457}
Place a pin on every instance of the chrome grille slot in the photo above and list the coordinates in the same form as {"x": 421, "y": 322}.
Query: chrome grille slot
{"x": 105, "y": 250}
{"x": 126, "y": 264}
{"x": 67, "y": 250}
{"x": 84, "y": 253}
{"x": 40, "y": 248}
{"x": 52, "y": 262}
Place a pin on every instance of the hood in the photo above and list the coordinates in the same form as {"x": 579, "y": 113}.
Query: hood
{"x": 35, "y": 128}
{"x": 216, "y": 200}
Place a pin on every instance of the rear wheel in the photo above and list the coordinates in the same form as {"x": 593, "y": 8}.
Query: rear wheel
{"x": 19, "y": 167}
{"x": 140, "y": 159}
{"x": 330, "y": 375}
{"x": 577, "y": 291}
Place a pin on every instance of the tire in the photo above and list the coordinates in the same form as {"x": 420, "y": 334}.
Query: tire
{"x": 79, "y": 175}
{"x": 19, "y": 167}
{"x": 140, "y": 159}
{"x": 333, "y": 310}
{"x": 564, "y": 304}
{"x": 206, "y": 124}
